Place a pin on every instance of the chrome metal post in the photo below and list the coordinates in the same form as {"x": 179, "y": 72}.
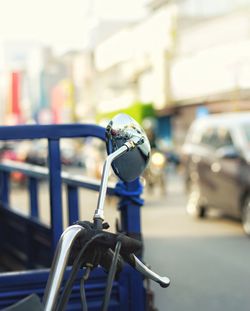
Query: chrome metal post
{"x": 99, "y": 213}
{"x": 59, "y": 265}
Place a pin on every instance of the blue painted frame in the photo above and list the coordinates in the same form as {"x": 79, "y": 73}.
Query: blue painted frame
{"x": 130, "y": 285}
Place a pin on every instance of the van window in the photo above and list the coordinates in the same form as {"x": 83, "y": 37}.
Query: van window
{"x": 210, "y": 138}
{"x": 217, "y": 138}
{"x": 225, "y": 138}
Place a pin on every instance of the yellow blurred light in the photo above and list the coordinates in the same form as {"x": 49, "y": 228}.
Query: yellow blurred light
{"x": 158, "y": 159}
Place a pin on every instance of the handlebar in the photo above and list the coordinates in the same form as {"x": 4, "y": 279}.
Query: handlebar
{"x": 129, "y": 246}
{"x": 97, "y": 247}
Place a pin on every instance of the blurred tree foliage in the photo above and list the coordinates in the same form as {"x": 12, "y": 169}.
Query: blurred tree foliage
{"x": 139, "y": 111}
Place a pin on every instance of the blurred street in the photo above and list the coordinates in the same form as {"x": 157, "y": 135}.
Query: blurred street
{"x": 206, "y": 260}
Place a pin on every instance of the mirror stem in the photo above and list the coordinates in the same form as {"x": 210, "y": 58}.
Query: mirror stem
{"x": 99, "y": 213}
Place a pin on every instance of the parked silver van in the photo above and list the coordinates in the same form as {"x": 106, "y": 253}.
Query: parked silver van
{"x": 216, "y": 154}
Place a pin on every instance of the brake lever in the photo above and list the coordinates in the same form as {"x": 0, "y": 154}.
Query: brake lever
{"x": 148, "y": 273}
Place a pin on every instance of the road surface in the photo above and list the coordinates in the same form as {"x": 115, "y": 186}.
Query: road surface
{"x": 208, "y": 261}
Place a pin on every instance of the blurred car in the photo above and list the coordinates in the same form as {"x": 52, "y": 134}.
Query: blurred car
{"x": 216, "y": 154}
{"x": 14, "y": 151}
{"x": 38, "y": 153}
{"x": 71, "y": 153}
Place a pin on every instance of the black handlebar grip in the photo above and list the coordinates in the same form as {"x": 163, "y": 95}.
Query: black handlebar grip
{"x": 129, "y": 245}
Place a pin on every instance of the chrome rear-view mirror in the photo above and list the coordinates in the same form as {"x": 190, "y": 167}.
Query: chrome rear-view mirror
{"x": 123, "y": 129}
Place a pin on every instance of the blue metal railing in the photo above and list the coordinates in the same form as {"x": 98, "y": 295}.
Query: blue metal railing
{"x": 130, "y": 211}
{"x": 53, "y": 133}
{"x": 34, "y": 236}
{"x": 36, "y": 174}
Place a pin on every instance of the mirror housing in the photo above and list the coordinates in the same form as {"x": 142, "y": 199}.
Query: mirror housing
{"x": 120, "y": 130}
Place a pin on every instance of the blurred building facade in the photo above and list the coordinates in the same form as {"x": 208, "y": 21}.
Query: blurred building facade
{"x": 210, "y": 71}
{"x": 37, "y": 86}
{"x": 188, "y": 58}
{"x": 133, "y": 64}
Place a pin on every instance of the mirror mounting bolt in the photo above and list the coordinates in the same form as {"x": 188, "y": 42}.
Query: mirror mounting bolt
{"x": 130, "y": 144}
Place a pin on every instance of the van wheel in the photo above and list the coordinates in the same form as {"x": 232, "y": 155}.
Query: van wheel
{"x": 194, "y": 205}
{"x": 246, "y": 215}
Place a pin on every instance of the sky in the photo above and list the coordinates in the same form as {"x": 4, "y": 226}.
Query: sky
{"x": 60, "y": 23}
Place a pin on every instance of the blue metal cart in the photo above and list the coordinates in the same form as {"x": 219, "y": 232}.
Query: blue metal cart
{"x": 27, "y": 243}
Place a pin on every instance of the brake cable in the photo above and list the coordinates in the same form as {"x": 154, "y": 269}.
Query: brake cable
{"x": 82, "y": 289}
{"x": 111, "y": 276}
